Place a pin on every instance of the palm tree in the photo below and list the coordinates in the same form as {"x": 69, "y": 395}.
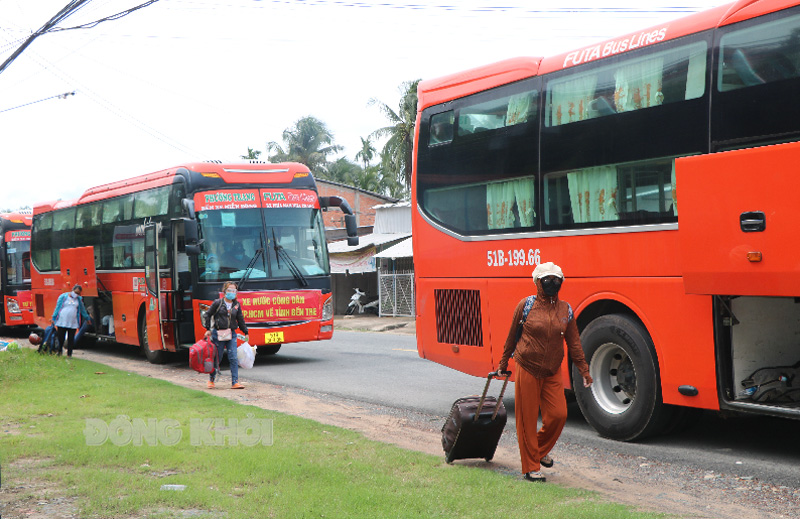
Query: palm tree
{"x": 397, "y": 151}
{"x": 308, "y": 142}
{"x": 251, "y": 154}
{"x": 367, "y": 152}
{"x": 343, "y": 171}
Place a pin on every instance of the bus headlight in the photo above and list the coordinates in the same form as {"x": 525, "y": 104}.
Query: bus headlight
{"x": 327, "y": 310}
{"x": 13, "y": 306}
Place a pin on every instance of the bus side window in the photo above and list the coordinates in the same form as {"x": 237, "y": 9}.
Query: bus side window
{"x": 441, "y": 128}
{"x": 765, "y": 53}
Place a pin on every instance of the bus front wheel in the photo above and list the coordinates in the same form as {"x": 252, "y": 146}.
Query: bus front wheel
{"x": 154, "y": 357}
{"x": 624, "y": 402}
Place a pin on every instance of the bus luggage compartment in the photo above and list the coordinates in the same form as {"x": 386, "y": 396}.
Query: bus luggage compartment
{"x": 737, "y": 218}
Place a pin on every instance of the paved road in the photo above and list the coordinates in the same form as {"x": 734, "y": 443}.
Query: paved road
{"x": 385, "y": 369}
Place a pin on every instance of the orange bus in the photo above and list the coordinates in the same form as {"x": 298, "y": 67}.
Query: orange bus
{"x": 655, "y": 168}
{"x": 153, "y": 251}
{"x": 15, "y": 267}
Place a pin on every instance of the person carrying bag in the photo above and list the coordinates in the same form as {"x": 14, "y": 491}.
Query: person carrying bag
{"x": 226, "y": 313}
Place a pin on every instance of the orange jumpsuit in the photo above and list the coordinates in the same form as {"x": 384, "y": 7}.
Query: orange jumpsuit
{"x": 539, "y": 386}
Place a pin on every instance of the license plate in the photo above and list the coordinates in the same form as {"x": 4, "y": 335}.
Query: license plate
{"x": 273, "y": 337}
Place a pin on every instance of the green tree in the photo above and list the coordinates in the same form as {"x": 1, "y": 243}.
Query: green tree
{"x": 367, "y": 152}
{"x": 397, "y": 152}
{"x": 309, "y": 142}
{"x": 251, "y": 154}
{"x": 343, "y": 171}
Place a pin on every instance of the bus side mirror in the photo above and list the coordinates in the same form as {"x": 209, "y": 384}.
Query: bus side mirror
{"x": 352, "y": 229}
{"x": 187, "y": 205}
{"x": 190, "y": 237}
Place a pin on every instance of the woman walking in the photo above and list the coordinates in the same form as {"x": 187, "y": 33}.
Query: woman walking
{"x": 67, "y": 318}
{"x": 226, "y": 313}
{"x": 539, "y": 386}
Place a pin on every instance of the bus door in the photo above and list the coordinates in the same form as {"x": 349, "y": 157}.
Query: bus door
{"x": 180, "y": 299}
{"x": 153, "y": 308}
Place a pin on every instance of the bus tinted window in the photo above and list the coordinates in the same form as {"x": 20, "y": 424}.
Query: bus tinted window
{"x": 632, "y": 193}
{"x": 489, "y": 206}
{"x": 154, "y": 202}
{"x": 762, "y": 54}
{"x": 497, "y": 113}
{"x": 41, "y": 240}
{"x": 632, "y": 84}
{"x": 442, "y": 128}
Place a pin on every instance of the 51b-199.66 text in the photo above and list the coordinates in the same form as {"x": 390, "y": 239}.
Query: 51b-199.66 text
{"x": 512, "y": 258}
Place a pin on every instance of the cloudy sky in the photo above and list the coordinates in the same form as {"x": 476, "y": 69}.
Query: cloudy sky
{"x": 192, "y": 80}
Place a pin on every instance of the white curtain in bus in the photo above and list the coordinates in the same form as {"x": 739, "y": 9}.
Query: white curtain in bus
{"x": 570, "y": 100}
{"x": 593, "y": 194}
{"x": 500, "y": 200}
{"x": 518, "y": 108}
{"x": 638, "y": 85}
{"x": 499, "y": 203}
{"x": 674, "y": 191}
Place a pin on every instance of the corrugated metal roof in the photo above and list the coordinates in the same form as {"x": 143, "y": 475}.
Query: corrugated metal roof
{"x": 398, "y": 250}
{"x": 368, "y": 240}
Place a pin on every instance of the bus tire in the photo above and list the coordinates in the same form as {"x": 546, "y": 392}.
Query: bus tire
{"x": 154, "y": 357}
{"x": 269, "y": 349}
{"x": 624, "y": 401}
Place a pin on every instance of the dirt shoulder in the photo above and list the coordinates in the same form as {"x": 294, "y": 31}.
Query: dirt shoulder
{"x": 640, "y": 482}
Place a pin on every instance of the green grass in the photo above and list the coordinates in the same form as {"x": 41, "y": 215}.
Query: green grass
{"x": 310, "y": 470}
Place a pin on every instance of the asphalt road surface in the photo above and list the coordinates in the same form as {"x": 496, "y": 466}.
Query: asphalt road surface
{"x": 385, "y": 369}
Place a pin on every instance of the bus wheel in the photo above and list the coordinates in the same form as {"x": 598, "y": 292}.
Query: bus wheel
{"x": 624, "y": 402}
{"x": 154, "y": 357}
{"x": 271, "y": 349}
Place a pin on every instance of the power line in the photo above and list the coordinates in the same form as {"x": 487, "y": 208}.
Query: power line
{"x": 71, "y": 8}
{"x": 59, "y": 96}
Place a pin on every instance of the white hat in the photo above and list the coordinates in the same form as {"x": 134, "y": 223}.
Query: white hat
{"x": 547, "y": 269}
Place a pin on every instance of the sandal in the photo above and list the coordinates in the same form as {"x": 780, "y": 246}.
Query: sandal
{"x": 546, "y": 461}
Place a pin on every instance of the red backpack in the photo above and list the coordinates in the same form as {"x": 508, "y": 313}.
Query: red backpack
{"x": 201, "y": 356}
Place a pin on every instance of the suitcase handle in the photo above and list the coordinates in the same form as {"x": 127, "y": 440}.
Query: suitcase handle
{"x": 507, "y": 375}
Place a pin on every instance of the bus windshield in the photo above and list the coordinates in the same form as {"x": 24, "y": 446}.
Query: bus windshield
{"x": 18, "y": 262}
{"x": 291, "y": 240}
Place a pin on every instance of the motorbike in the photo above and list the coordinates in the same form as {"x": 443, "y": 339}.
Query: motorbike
{"x": 361, "y": 303}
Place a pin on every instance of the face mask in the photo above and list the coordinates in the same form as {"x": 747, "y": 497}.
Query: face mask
{"x": 230, "y": 296}
{"x": 551, "y": 285}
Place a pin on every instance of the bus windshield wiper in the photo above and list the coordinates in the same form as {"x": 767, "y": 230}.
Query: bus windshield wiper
{"x": 280, "y": 252}
{"x": 249, "y": 269}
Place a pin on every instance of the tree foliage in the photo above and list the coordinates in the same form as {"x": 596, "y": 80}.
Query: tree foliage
{"x": 396, "y": 156}
{"x": 309, "y": 142}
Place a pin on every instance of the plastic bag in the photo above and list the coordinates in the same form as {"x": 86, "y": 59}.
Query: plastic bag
{"x": 246, "y": 355}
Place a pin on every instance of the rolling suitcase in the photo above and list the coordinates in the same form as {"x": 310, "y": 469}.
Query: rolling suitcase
{"x": 475, "y": 424}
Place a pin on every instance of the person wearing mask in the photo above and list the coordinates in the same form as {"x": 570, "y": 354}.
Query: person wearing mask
{"x": 539, "y": 355}
{"x": 226, "y": 313}
{"x": 67, "y": 318}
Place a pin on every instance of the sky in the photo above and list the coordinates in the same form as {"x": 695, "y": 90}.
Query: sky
{"x": 192, "y": 80}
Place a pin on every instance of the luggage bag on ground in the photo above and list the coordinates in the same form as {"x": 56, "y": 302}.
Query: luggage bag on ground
{"x": 475, "y": 425}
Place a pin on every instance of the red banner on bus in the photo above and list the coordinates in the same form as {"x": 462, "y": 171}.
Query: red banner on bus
{"x": 18, "y": 236}
{"x": 227, "y": 199}
{"x": 250, "y": 199}
{"x": 289, "y": 198}
{"x": 281, "y": 305}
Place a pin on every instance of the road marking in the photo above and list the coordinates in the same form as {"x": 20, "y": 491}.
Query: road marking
{"x": 402, "y": 349}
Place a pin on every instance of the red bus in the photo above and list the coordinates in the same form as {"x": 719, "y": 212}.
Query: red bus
{"x": 153, "y": 251}
{"x": 655, "y": 169}
{"x": 15, "y": 269}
